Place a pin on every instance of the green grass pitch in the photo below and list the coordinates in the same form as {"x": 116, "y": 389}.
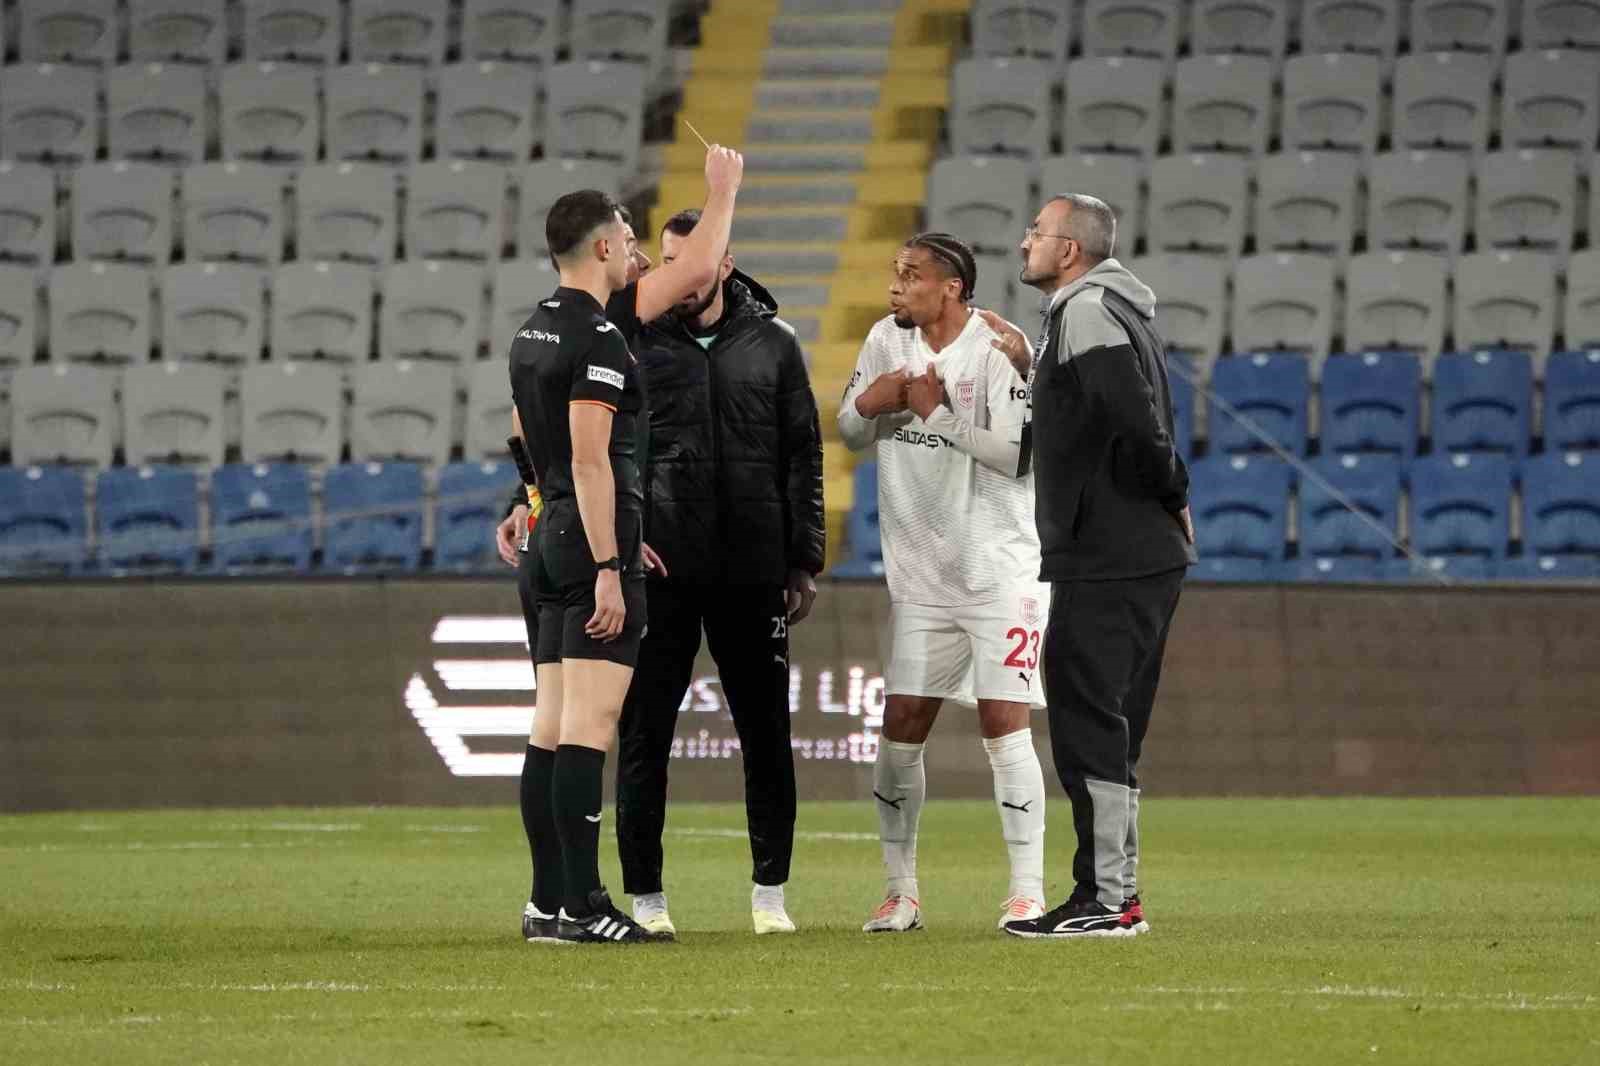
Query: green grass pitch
{"x": 1284, "y": 931}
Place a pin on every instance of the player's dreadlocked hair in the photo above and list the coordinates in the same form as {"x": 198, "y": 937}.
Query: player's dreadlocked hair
{"x": 954, "y": 254}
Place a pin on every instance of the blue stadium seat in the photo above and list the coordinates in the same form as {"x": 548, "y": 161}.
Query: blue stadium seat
{"x": 1272, "y": 389}
{"x": 1572, "y": 401}
{"x": 1482, "y": 402}
{"x": 261, "y": 517}
{"x": 1460, "y": 514}
{"x": 861, "y": 528}
{"x": 1561, "y": 507}
{"x": 373, "y": 517}
{"x": 1537, "y": 567}
{"x": 1335, "y": 543}
{"x": 472, "y": 497}
{"x": 1240, "y": 505}
{"x": 42, "y": 520}
{"x": 148, "y": 518}
{"x": 1370, "y": 402}
{"x": 1182, "y": 405}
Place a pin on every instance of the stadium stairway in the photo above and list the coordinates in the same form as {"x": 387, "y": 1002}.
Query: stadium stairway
{"x": 837, "y": 106}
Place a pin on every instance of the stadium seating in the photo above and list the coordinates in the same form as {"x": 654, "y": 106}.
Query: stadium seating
{"x": 100, "y": 311}
{"x": 346, "y": 213}
{"x": 157, "y": 113}
{"x": 234, "y": 213}
{"x": 148, "y": 518}
{"x": 519, "y": 285}
{"x": 633, "y": 31}
{"x": 1418, "y": 201}
{"x": 67, "y": 31}
{"x": 290, "y": 411}
{"x": 1527, "y": 198}
{"x": 212, "y": 311}
{"x": 1442, "y": 101}
{"x": 1181, "y": 389}
{"x": 1130, "y": 28}
{"x": 172, "y": 413}
{"x": 1284, "y": 302}
{"x": 1559, "y": 24}
{"x": 178, "y": 31}
{"x": 1369, "y": 403}
{"x": 1270, "y": 389}
{"x": 1222, "y": 103}
{"x": 1191, "y": 309}
{"x": 861, "y": 530}
{"x": 373, "y": 517}
{"x": 122, "y": 212}
{"x": 1199, "y": 204}
{"x": 1000, "y": 107}
{"x": 292, "y": 31}
{"x": 261, "y": 518}
{"x": 63, "y": 414}
{"x": 488, "y": 409}
{"x": 398, "y": 31}
{"x": 322, "y": 311}
{"x": 1506, "y": 300}
{"x": 1581, "y": 321}
{"x": 455, "y": 210}
{"x": 1114, "y": 104}
{"x": 472, "y": 496}
{"x": 1019, "y": 28}
{"x": 1561, "y": 505}
{"x": 1451, "y": 25}
{"x": 1483, "y": 402}
{"x": 512, "y": 31}
{"x": 1460, "y": 514}
{"x": 432, "y": 310}
{"x": 1331, "y": 102}
{"x": 545, "y": 182}
{"x": 1572, "y": 401}
{"x": 1240, "y": 507}
{"x": 594, "y": 110}
{"x": 374, "y": 113}
{"x": 19, "y": 315}
{"x": 43, "y": 524}
{"x": 1337, "y": 544}
{"x": 1249, "y": 27}
{"x": 1306, "y": 202}
{"x": 486, "y": 111}
{"x": 27, "y": 214}
{"x": 1396, "y": 301}
{"x": 401, "y": 410}
{"x": 1119, "y": 180}
{"x": 1551, "y": 100}
{"x": 1371, "y": 27}
{"x": 49, "y": 114}
{"x": 269, "y": 113}
{"x": 985, "y": 199}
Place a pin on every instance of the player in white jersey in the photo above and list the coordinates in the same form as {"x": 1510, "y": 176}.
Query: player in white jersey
{"x": 946, "y": 413}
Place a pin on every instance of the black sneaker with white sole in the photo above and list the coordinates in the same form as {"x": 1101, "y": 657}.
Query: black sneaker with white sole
{"x": 539, "y": 927}
{"x": 603, "y": 924}
{"x": 1076, "y": 918}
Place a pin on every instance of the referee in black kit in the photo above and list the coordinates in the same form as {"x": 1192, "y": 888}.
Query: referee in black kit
{"x": 644, "y": 296}
{"x": 1112, "y": 507}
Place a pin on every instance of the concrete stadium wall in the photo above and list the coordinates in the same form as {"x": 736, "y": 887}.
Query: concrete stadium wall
{"x": 201, "y": 693}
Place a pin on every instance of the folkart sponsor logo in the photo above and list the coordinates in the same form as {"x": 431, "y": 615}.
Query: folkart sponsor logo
{"x": 539, "y": 335}
{"x": 1030, "y": 610}
{"x": 966, "y": 390}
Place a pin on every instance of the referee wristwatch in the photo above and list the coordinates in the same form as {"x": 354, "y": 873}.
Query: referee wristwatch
{"x": 612, "y": 563}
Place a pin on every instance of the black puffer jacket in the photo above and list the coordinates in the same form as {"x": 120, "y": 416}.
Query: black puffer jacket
{"x": 734, "y": 488}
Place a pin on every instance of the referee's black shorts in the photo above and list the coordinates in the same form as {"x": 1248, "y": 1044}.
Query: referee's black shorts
{"x": 565, "y": 593}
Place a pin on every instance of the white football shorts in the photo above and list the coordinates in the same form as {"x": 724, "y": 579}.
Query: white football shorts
{"x": 980, "y": 651}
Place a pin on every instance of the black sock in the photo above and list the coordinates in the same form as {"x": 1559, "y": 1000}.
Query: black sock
{"x": 539, "y": 823}
{"x": 575, "y": 786}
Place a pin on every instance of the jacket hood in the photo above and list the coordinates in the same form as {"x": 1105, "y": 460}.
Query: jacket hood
{"x": 1110, "y": 274}
{"x": 743, "y": 297}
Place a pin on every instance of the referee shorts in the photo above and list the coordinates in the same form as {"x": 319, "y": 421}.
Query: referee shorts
{"x": 565, "y": 592}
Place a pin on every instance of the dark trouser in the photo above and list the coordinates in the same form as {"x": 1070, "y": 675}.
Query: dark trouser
{"x": 1102, "y": 663}
{"x": 748, "y": 634}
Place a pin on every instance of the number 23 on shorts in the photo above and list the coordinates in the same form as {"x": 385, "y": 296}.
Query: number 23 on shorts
{"x": 1027, "y": 644}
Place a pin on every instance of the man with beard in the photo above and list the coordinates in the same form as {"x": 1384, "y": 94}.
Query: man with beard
{"x": 734, "y": 512}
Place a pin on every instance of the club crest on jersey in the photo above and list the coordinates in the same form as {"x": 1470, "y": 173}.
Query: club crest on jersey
{"x": 966, "y": 392}
{"x": 1030, "y": 610}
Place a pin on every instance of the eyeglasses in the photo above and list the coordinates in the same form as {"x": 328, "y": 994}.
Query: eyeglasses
{"x": 1033, "y": 231}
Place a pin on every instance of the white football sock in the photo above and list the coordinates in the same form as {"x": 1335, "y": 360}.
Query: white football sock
{"x": 899, "y": 785}
{"x": 767, "y": 898}
{"x": 649, "y": 905}
{"x": 1019, "y": 796}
